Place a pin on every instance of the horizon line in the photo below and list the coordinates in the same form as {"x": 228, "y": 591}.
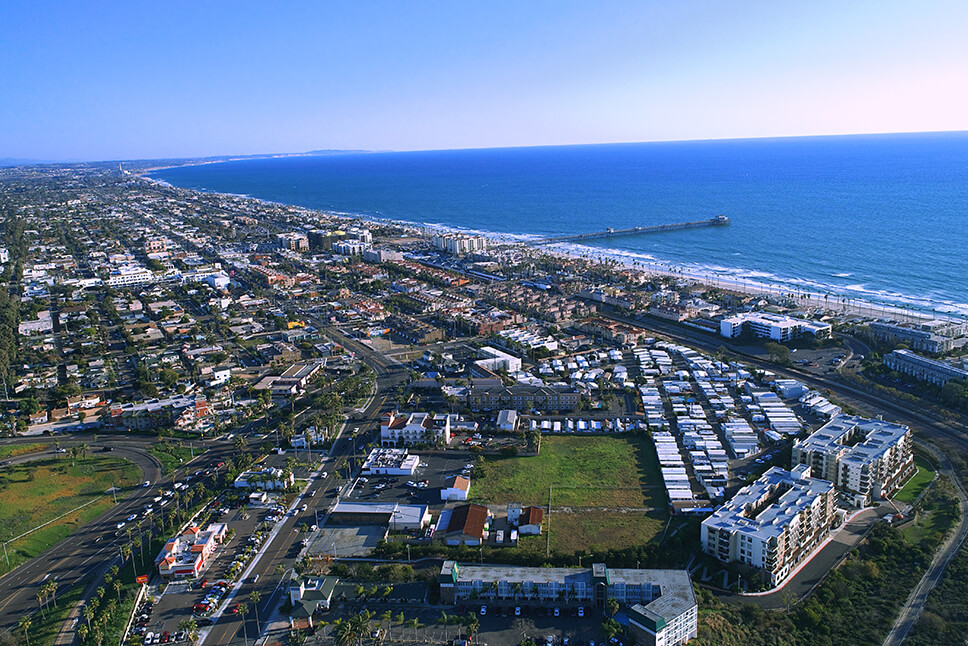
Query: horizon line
{"x": 350, "y": 151}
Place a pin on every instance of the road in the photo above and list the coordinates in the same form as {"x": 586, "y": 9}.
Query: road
{"x": 914, "y": 604}
{"x": 93, "y": 547}
{"x": 286, "y": 545}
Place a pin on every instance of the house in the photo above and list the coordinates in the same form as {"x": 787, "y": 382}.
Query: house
{"x": 85, "y": 401}
{"x": 507, "y": 420}
{"x": 309, "y": 595}
{"x": 529, "y": 522}
{"x": 464, "y": 525}
{"x": 458, "y": 490}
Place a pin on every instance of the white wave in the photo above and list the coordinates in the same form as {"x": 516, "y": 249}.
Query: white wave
{"x": 845, "y": 274}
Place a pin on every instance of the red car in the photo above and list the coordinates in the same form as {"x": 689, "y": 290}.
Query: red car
{"x": 235, "y": 608}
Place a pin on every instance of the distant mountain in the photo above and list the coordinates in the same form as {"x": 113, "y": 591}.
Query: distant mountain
{"x": 17, "y": 161}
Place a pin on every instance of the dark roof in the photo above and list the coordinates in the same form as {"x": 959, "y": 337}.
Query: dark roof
{"x": 468, "y": 520}
{"x": 531, "y": 516}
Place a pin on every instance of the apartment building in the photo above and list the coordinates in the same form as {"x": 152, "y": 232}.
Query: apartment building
{"x": 772, "y": 326}
{"x": 416, "y": 428}
{"x": 926, "y": 338}
{"x": 521, "y": 397}
{"x": 459, "y": 244}
{"x": 773, "y": 523}
{"x": 293, "y": 241}
{"x": 923, "y": 368}
{"x": 866, "y": 459}
{"x": 662, "y": 605}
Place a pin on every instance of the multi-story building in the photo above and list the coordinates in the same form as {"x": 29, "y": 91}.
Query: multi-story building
{"x": 924, "y": 338}
{"x": 459, "y": 244}
{"x": 772, "y": 326}
{"x": 129, "y": 275}
{"x": 866, "y": 459}
{"x": 293, "y": 241}
{"x": 773, "y": 523}
{"x": 522, "y": 397}
{"x": 923, "y": 368}
{"x": 663, "y": 609}
{"x": 415, "y": 428}
{"x": 156, "y": 245}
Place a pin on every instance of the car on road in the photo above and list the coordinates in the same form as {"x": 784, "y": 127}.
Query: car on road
{"x": 304, "y": 507}
{"x": 147, "y": 483}
{"x": 132, "y": 517}
{"x": 120, "y": 525}
{"x": 557, "y": 612}
{"x": 517, "y": 611}
{"x": 581, "y": 611}
{"x": 483, "y": 610}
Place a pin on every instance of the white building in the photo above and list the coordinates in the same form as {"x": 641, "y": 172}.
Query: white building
{"x": 459, "y": 244}
{"x": 268, "y": 478}
{"x": 293, "y": 241}
{"x": 773, "y": 523}
{"x": 458, "y": 490}
{"x": 772, "y": 326}
{"x": 867, "y": 459}
{"x": 359, "y": 234}
{"x": 350, "y": 247}
{"x": 495, "y": 360}
{"x": 390, "y": 462}
{"x": 128, "y": 275}
{"x": 416, "y": 428}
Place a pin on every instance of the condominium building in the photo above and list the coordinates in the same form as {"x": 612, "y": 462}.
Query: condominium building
{"x": 866, "y": 459}
{"x": 926, "y": 337}
{"x": 293, "y": 241}
{"x": 459, "y": 243}
{"x": 772, "y": 326}
{"x": 662, "y": 605}
{"x": 923, "y": 368}
{"x": 773, "y": 523}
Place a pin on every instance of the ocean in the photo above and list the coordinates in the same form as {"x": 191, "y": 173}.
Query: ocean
{"x": 876, "y": 217}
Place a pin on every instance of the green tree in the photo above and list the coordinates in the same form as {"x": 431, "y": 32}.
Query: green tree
{"x": 24, "y": 625}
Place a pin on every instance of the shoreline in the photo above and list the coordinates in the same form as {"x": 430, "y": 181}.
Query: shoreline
{"x": 813, "y": 295}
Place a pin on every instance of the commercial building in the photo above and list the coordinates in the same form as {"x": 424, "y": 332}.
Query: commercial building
{"x": 179, "y": 411}
{"x": 772, "y": 326}
{"x": 867, "y": 459}
{"x": 266, "y": 479}
{"x": 415, "y": 428}
{"x": 390, "y": 462}
{"x": 184, "y": 556}
{"x": 382, "y": 255}
{"x": 923, "y": 368}
{"x": 458, "y": 490}
{"x": 773, "y": 523}
{"x": 307, "y": 595}
{"x": 925, "y": 337}
{"x": 464, "y": 525}
{"x": 663, "y": 605}
{"x": 389, "y": 514}
{"x": 495, "y": 360}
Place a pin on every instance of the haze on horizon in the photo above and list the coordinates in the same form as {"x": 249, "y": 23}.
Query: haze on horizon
{"x": 121, "y": 80}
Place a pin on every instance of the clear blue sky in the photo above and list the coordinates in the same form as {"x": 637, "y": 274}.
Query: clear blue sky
{"x": 123, "y": 80}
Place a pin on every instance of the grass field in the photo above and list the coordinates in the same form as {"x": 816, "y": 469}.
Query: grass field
{"x": 918, "y": 483}
{"x": 37, "y": 492}
{"x": 574, "y": 532}
{"x": 170, "y": 455}
{"x": 611, "y": 472}
{"x": 13, "y": 450}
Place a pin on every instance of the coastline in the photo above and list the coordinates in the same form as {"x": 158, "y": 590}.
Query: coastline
{"x": 813, "y": 295}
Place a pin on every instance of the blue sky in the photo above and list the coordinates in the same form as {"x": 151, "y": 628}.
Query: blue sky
{"x": 123, "y": 80}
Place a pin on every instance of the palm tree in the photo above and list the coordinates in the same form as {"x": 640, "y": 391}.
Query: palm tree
{"x": 243, "y": 610}
{"x": 125, "y": 555}
{"x": 73, "y": 453}
{"x": 83, "y": 449}
{"x": 255, "y": 598}
{"x": 190, "y": 626}
{"x": 137, "y": 546}
{"x": 24, "y": 625}
{"x": 117, "y": 588}
{"x": 41, "y": 597}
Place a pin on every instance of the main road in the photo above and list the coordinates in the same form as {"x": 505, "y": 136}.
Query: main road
{"x": 284, "y": 548}
{"x": 93, "y": 547}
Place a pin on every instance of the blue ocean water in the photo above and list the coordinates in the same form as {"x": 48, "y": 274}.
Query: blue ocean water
{"x": 882, "y": 217}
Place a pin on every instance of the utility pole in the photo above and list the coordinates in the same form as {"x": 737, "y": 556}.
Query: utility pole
{"x": 548, "y": 545}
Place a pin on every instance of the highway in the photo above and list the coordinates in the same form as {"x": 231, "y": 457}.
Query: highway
{"x": 93, "y": 547}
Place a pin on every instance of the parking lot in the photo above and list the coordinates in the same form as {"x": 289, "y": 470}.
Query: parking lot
{"x": 435, "y": 471}
{"x": 183, "y": 600}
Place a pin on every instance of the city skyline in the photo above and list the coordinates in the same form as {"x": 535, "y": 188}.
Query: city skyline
{"x": 126, "y": 82}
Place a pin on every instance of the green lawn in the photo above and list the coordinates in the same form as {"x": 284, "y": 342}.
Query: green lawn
{"x": 13, "y": 450}
{"x": 598, "y": 531}
{"x": 171, "y": 455}
{"x": 608, "y": 472}
{"x": 36, "y": 492}
{"x": 918, "y": 482}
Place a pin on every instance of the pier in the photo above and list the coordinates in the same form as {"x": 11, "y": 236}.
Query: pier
{"x": 718, "y": 221}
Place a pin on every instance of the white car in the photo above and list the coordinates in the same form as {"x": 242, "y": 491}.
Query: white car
{"x": 147, "y": 483}
{"x": 120, "y": 525}
{"x": 132, "y": 517}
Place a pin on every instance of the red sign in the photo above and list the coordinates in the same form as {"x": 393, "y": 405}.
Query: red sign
{"x": 142, "y": 579}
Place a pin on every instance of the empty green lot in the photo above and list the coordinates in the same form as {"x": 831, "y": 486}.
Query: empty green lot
{"x": 605, "y": 472}
{"x": 34, "y": 493}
